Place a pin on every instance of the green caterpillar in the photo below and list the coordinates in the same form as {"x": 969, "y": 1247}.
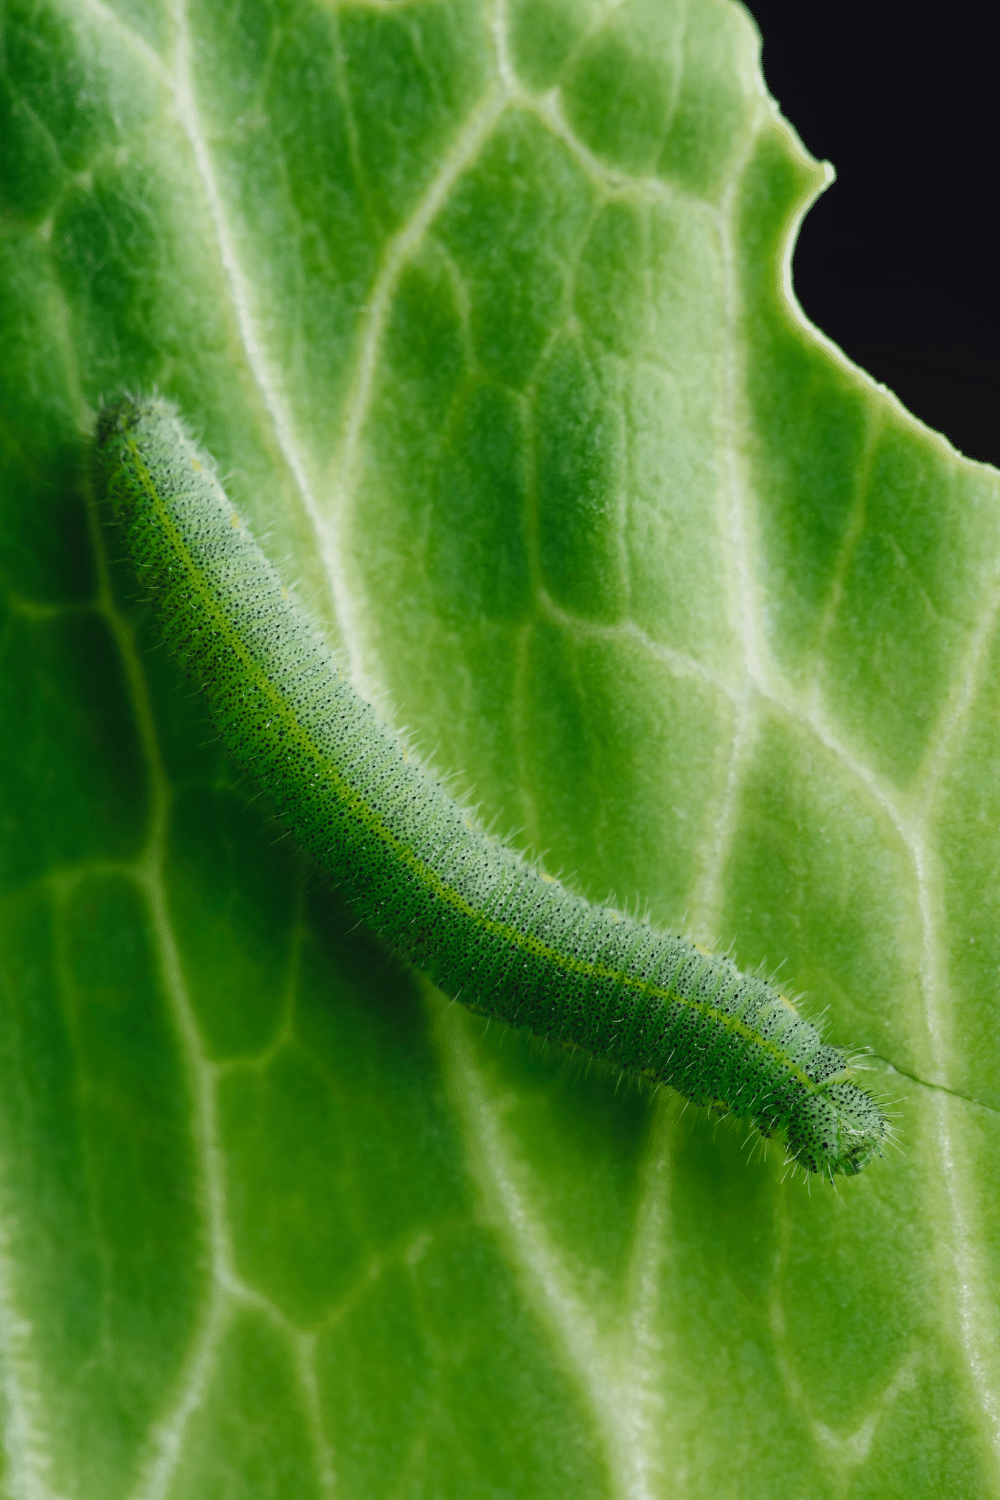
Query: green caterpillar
{"x": 485, "y": 924}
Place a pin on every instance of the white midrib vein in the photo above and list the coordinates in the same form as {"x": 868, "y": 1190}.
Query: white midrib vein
{"x": 188, "y": 114}
{"x": 179, "y": 83}
{"x": 614, "y": 1377}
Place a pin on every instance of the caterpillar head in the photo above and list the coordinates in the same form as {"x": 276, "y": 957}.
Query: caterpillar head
{"x": 837, "y": 1131}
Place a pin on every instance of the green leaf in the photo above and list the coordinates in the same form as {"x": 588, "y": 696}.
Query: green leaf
{"x": 486, "y": 314}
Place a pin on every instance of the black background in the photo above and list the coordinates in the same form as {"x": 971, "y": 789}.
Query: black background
{"x": 898, "y": 260}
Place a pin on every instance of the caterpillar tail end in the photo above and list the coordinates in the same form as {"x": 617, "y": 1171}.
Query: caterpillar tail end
{"x": 125, "y": 412}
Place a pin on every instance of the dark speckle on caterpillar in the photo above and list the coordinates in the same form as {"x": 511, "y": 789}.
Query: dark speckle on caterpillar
{"x": 485, "y": 924}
